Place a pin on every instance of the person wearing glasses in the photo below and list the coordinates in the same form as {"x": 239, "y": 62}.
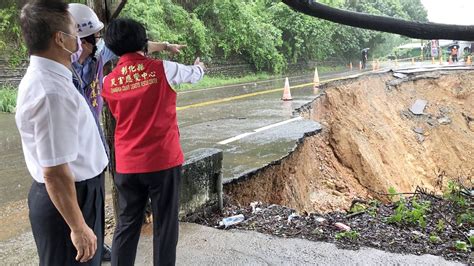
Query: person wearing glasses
{"x": 88, "y": 70}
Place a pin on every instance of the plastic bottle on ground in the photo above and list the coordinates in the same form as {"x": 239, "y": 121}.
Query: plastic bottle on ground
{"x": 229, "y": 221}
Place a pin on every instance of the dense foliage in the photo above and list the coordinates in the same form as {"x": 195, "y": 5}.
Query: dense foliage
{"x": 265, "y": 33}
{"x": 11, "y": 44}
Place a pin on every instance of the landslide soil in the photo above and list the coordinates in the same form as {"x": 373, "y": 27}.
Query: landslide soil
{"x": 371, "y": 142}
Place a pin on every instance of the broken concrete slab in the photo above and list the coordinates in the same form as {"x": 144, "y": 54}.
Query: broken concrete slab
{"x": 419, "y": 130}
{"x": 432, "y": 122}
{"x": 396, "y": 82}
{"x": 444, "y": 120}
{"x": 400, "y": 75}
{"x": 418, "y": 107}
{"x": 433, "y": 68}
{"x": 420, "y": 138}
{"x": 429, "y": 75}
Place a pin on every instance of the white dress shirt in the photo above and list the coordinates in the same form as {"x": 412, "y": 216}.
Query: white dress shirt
{"x": 177, "y": 73}
{"x": 56, "y": 124}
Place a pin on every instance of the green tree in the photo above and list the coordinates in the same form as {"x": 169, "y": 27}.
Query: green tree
{"x": 265, "y": 33}
{"x": 379, "y": 42}
{"x": 415, "y": 10}
{"x": 168, "y": 21}
{"x": 244, "y": 28}
{"x": 304, "y": 38}
{"x": 11, "y": 43}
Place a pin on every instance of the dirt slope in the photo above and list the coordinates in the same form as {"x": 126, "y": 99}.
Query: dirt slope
{"x": 372, "y": 141}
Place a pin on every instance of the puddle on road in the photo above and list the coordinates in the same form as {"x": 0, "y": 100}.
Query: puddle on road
{"x": 14, "y": 177}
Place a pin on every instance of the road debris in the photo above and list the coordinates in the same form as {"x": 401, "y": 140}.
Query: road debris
{"x": 418, "y": 107}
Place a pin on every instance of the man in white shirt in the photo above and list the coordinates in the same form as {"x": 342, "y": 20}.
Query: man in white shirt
{"x": 61, "y": 142}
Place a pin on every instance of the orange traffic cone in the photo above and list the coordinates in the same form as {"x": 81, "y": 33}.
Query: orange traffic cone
{"x": 469, "y": 60}
{"x": 316, "y": 78}
{"x": 316, "y": 81}
{"x": 286, "y": 91}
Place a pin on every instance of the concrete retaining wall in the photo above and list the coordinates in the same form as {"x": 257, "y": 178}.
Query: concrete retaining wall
{"x": 11, "y": 75}
{"x": 201, "y": 183}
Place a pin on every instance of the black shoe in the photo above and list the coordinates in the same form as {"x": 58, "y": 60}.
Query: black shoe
{"x": 106, "y": 253}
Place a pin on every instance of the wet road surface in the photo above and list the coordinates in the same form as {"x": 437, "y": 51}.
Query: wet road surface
{"x": 206, "y": 117}
{"x": 241, "y": 118}
{"x": 200, "y": 127}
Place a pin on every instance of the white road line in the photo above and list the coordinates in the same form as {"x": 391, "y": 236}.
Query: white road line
{"x": 241, "y": 136}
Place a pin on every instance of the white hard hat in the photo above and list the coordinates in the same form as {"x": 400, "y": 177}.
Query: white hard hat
{"x": 86, "y": 20}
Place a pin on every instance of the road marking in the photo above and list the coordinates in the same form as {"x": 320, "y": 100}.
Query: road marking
{"x": 241, "y": 84}
{"x": 233, "y": 98}
{"x": 241, "y": 136}
{"x": 243, "y": 96}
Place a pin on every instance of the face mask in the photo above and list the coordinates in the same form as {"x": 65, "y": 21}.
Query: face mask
{"x": 100, "y": 44}
{"x": 75, "y": 55}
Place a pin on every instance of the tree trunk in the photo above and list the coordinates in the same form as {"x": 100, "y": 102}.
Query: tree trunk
{"x": 109, "y": 131}
{"x": 417, "y": 30}
{"x": 116, "y": 9}
{"x": 103, "y": 10}
{"x": 100, "y": 9}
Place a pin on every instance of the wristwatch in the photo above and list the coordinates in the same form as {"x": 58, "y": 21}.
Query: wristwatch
{"x": 167, "y": 45}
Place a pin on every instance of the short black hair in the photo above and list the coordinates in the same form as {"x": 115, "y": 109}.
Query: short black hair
{"x": 40, "y": 19}
{"x": 125, "y": 36}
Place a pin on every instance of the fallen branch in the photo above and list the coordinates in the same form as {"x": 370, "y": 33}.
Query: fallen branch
{"x": 451, "y": 224}
{"x": 352, "y": 215}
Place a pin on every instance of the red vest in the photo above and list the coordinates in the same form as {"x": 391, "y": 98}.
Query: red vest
{"x": 144, "y": 106}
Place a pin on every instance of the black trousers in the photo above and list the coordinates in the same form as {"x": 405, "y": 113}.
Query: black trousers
{"x": 51, "y": 233}
{"x": 134, "y": 190}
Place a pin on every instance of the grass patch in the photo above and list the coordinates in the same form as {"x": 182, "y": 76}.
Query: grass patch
{"x": 350, "y": 235}
{"x": 407, "y": 212}
{"x": 8, "y": 95}
{"x": 217, "y": 81}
